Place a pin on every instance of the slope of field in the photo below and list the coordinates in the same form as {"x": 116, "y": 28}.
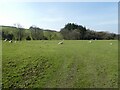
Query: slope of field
{"x": 74, "y": 64}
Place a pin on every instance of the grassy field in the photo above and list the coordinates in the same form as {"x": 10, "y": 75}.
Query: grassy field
{"x": 74, "y": 64}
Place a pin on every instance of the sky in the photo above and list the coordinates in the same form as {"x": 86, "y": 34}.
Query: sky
{"x": 97, "y": 16}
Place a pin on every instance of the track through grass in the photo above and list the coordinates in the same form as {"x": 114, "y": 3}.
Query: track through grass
{"x": 74, "y": 64}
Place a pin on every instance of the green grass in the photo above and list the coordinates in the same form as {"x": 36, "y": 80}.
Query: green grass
{"x": 74, "y": 64}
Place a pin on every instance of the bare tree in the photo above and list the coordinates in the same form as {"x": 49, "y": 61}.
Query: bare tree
{"x": 17, "y": 25}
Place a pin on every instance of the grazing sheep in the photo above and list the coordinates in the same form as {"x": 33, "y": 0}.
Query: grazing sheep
{"x": 90, "y": 41}
{"x": 61, "y": 42}
{"x": 110, "y": 43}
{"x": 5, "y": 40}
{"x": 10, "y": 41}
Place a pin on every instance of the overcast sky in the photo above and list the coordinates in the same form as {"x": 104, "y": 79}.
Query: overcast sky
{"x": 98, "y": 16}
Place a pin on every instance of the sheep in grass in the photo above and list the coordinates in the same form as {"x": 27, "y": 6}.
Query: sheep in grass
{"x": 90, "y": 41}
{"x": 10, "y": 41}
{"x": 61, "y": 42}
{"x": 111, "y": 44}
{"x": 5, "y": 40}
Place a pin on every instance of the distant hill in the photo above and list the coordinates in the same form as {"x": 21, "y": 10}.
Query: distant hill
{"x": 10, "y": 32}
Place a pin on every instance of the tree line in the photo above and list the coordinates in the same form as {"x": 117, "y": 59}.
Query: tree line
{"x": 33, "y": 33}
{"x": 70, "y": 31}
{"x": 73, "y": 31}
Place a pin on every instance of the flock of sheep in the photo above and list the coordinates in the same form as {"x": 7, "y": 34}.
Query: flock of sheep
{"x": 10, "y": 41}
{"x": 92, "y": 41}
{"x": 61, "y": 42}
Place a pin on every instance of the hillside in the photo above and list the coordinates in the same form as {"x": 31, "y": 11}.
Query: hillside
{"x": 13, "y": 33}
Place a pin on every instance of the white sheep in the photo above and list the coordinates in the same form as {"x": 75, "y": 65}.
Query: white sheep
{"x": 5, "y": 40}
{"x": 61, "y": 42}
{"x": 10, "y": 41}
{"x": 111, "y": 44}
{"x": 90, "y": 41}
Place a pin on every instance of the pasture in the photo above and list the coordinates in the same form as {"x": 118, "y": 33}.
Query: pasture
{"x": 73, "y": 64}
